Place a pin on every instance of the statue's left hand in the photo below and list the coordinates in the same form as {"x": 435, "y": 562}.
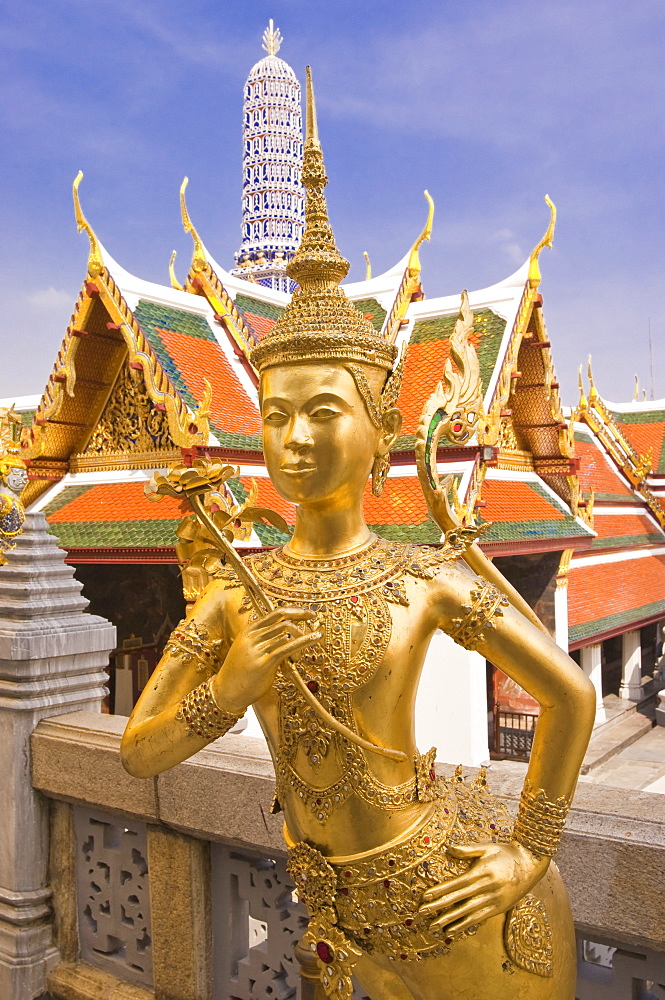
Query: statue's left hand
{"x": 500, "y": 875}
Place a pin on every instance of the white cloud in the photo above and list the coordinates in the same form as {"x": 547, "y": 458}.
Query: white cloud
{"x": 50, "y": 298}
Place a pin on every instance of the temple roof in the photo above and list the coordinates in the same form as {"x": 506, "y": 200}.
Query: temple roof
{"x": 643, "y": 424}
{"x": 621, "y": 581}
{"x": 606, "y": 598}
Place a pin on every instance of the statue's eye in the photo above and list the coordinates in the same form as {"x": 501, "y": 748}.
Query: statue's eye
{"x": 324, "y": 413}
{"x": 274, "y": 417}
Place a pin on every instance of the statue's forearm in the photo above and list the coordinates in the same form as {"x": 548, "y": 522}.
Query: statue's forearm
{"x": 565, "y": 694}
{"x": 154, "y": 744}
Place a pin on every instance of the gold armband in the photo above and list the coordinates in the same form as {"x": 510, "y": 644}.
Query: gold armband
{"x": 540, "y": 821}
{"x": 202, "y": 715}
{"x": 487, "y": 603}
{"x": 191, "y": 641}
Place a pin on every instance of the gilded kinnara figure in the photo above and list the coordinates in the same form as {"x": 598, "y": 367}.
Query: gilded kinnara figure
{"x": 420, "y": 888}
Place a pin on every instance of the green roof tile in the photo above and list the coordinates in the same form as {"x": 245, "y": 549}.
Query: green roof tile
{"x": 116, "y": 534}
{"x": 373, "y": 310}
{"x": 64, "y": 497}
{"x": 246, "y": 304}
{"x": 588, "y": 629}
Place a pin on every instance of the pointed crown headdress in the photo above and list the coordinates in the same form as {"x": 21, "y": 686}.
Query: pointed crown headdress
{"x": 320, "y": 323}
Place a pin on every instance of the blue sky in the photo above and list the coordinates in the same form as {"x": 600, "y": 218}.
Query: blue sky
{"x": 489, "y": 104}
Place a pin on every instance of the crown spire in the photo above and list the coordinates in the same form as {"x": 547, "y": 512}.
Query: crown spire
{"x": 317, "y": 262}
{"x": 320, "y": 323}
{"x": 272, "y": 39}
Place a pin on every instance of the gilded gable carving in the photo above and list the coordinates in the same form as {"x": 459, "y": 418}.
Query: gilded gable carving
{"x": 130, "y": 423}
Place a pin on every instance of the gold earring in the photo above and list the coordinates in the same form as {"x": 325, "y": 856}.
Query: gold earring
{"x": 380, "y": 474}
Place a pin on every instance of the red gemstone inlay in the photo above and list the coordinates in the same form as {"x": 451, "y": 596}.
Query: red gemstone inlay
{"x": 347, "y": 874}
{"x": 325, "y": 952}
{"x": 354, "y": 599}
{"x": 448, "y": 941}
{"x": 386, "y": 883}
{"x": 425, "y": 840}
{"x": 407, "y": 923}
{"x": 403, "y": 957}
{"x": 345, "y": 892}
{"x": 313, "y": 686}
{"x": 457, "y": 428}
{"x": 432, "y": 774}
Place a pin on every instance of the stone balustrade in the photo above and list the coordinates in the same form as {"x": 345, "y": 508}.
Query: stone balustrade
{"x": 175, "y": 887}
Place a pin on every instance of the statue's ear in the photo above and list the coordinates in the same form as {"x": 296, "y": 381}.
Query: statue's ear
{"x": 392, "y": 425}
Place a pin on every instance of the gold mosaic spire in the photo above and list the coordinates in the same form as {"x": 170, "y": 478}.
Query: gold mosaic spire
{"x": 320, "y": 323}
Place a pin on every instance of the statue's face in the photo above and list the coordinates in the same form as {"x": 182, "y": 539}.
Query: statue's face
{"x": 318, "y": 439}
{"x": 17, "y": 479}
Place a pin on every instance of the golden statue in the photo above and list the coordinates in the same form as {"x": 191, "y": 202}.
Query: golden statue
{"x": 13, "y": 480}
{"x": 422, "y": 888}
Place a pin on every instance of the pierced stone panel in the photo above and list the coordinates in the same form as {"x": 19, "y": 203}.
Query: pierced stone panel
{"x": 113, "y": 895}
{"x": 257, "y": 920}
{"x": 608, "y": 971}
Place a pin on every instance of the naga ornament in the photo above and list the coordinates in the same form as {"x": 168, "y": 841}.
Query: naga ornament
{"x": 454, "y": 407}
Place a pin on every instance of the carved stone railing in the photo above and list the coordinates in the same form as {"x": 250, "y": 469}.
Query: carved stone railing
{"x": 175, "y": 888}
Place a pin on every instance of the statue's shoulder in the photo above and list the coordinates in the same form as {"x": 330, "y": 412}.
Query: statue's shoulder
{"x": 427, "y": 561}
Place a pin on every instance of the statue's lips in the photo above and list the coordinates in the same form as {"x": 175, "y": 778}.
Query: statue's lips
{"x": 297, "y": 470}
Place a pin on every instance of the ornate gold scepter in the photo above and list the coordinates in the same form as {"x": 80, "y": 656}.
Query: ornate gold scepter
{"x": 203, "y": 479}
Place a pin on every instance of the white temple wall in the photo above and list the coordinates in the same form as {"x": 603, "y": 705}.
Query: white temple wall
{"x": 451, "y": 708}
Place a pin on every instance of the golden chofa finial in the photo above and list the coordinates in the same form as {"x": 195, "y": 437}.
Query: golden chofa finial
{"x": 593, "y": 394}
{"x": 95, "y": 262}
{"x": 414, "y": 257}
{"x": 636, "y": 394}
{"x": 174, "y": 281}
{"x": 272, "y": 39}
{"x": 547, "y": 240}
{"x": 582, "y": 405}
{"x": 368, "y": 268}
{"x": 199, "y": 262}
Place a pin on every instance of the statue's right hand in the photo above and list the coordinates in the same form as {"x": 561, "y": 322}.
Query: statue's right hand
{"x": 250, "y": 666}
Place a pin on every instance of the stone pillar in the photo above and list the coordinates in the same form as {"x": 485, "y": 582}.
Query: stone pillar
{"x": 591, "y": 658}
{"x": 451, "y": 708}
{"x": 561, "y": 601}
{"x": 631, "y": 666}
{"x": 52, "y": 660}
{"x": 561, "y": 612}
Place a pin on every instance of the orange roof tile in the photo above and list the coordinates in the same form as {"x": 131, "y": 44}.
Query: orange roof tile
{"x": 260, "y": 325}
{"x": 510, "y": 500}
{"x": 616, "y": 525}
{"x": 198, "y": 359}
{"x": 269, "y": 497}
{"x": 118, "y": 502}
{"x": 596, "y": 473}
{"x": 643, "y": 436}
{"x": 402, "y": 502}
{"x": 597, "y": 593}
{"x": 424, "y": 368}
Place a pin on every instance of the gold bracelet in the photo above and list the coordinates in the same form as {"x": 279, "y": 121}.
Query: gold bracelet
{"x": 540, "y": 821}
{"x": 202, "y": 715}
{"x": 487, "y": 603}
